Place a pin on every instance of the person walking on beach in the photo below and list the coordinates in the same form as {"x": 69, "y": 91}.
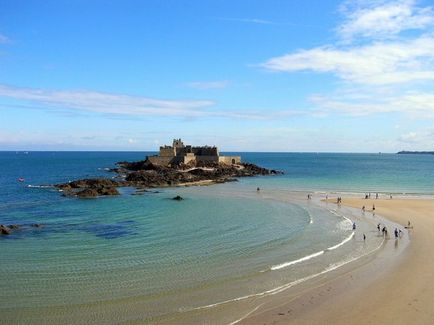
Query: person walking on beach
{"x": 396, "y": 233}
{"x": 354, "y": 226}
{"x": 378, "y": 227}
{"x": 376, "y": 196}
{"x": 373, "y": 207}
{"x": 258, "y": 189}
{"x": 363, "y": 209}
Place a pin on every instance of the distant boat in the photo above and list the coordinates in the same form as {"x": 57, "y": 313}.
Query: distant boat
{"x": 21, "y": 179}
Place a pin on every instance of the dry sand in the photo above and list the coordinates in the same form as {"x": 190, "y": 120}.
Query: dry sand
{"x": 397, "y": 290}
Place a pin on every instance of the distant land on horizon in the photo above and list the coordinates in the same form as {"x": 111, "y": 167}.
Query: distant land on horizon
{"x": 405, "y": 152}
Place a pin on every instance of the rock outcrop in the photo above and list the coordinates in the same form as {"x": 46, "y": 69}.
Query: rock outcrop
{"x": 144, "y": 174}
{"x": 91, "y": 188}
{"x": 5, "y": 230}
{"x": 10, "y": 229}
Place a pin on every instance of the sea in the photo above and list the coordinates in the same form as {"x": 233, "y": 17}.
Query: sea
{"x": 142, "y": 257}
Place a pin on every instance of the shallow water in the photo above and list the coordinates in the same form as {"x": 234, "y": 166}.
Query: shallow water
{"x": 148, "y": 257}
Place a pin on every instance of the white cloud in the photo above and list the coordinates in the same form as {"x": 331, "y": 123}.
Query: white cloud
{"x": 414, "y": 104}
{"x": 421, "y": 139}
{"x": 378, "y": 60}
{"x": 249, "y": 20}
{"x": 109, "y": 103}
{"x": 118, "y": 104}
{"x": 377, "y": 63}
{"x": 382, "y": 19}
{"x": 204, "y": 85}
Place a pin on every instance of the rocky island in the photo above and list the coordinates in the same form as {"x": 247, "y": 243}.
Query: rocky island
{"x": 415, "y": 152}
{"x": 176, "y": 165}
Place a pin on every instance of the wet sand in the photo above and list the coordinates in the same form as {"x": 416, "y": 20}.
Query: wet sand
{"x": 380, "y": 290}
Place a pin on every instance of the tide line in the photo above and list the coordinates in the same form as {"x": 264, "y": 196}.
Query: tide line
{"x": 286, "y": 286}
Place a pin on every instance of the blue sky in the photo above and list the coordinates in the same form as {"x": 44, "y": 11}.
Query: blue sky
{"x": 341, "y": 76}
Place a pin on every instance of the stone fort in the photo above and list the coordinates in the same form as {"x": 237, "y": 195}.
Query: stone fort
{"x": 179, "y": 153}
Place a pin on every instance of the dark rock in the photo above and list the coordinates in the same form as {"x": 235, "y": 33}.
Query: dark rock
{"x": 88, "y": 188}
{"x": 89, "y": 183}
{"x": 5, "y": 230}
{"x": 87, "y": 193}
{"x": 177, "y": 198}
{"x": 13, "y": 226}
{"x": 95, "y": 192}
{"x": 37, "y": 225}
{"x": 106, "y": 191}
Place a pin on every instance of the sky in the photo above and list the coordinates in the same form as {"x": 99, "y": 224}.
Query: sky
{"x": 276, "y": 76}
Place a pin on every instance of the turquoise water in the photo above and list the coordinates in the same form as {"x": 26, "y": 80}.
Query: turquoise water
{"x": 146, "y": 257}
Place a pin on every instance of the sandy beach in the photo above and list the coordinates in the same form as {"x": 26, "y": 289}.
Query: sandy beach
{"x": 381, "y": 290}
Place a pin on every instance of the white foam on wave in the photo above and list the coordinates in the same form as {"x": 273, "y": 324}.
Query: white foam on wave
{"x": 286, "y": 264}
{"x": 308, "y": 257}
{"x": 40, "y": 186}
{"x": 286, "y": 286}
{"x": 309, "y": 214}
{"x": 342, "y": 242}
{"x": 342, "y": 216}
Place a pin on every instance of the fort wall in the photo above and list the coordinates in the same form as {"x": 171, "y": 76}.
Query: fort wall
{"x": 179, "y": 153}
{"x": 229, "y": 160}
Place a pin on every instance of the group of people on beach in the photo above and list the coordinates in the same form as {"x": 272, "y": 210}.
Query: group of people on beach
{"x": 398, "y": 232}
{"x": 368, "y": 196}
{"x": 364, "y": 209}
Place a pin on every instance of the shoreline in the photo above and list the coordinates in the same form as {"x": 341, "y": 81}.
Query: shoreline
{"x": 377, "y": 291}
{"x": 318, "y": 299}
{"x": 268, "y": 307}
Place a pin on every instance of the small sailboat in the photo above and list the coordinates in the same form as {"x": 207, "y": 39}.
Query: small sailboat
{"x": 21, "y": 179}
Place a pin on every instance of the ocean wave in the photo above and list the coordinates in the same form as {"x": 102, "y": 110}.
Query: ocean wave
{"x": 40, "y": 186}
{"x": 342, "y": 216}
{"x": 309, "y": 214}
{"x": 308, "y": 257}
{"x": 286, "y": 286}
{"x": 305, "y": 258}
{"x": 342, "y": 242}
